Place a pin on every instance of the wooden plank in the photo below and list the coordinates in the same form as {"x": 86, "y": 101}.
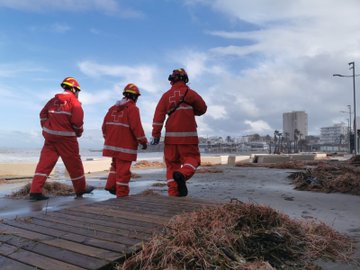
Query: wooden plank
{"x": 144, "y": 207}
{"x": 9, "y": 264}
{"x": 175, "y": 201}
{"x": 101, "y": 220}
{"x": 32, "y": 259}
{"x": 109, "y": 217}
{"x": 129, "y": 215}
{"x": 41, "y": 262}
{"x": 69, "y": 257}
{"x": 61, "y": 243}
{"x": 86, "y": 232}
{"x": 83, "y": 239}
{"x": 92, "y": 226}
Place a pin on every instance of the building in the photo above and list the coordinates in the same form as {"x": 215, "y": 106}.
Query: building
{"x": 334, "y": 135}
{"x": 296, "y": 120}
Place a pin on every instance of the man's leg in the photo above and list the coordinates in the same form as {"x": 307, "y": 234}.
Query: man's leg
{"x": 123, "y": 176}
{"x": 68, "y": 149}
{"x": 111, "y": 180}
{"x": 47, "y": 161}
{"x": 172, "y": 161}
{"x": 190, "y": 159}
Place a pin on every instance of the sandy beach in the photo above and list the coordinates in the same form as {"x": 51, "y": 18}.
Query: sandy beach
{"x": 220, "y": 183}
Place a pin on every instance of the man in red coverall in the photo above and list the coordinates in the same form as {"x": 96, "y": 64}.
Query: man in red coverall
{"x": 181, "y": 151}
{"x": 123, "y": 132}
{"x": 62, "y": 122}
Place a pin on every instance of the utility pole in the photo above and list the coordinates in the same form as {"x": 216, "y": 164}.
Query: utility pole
{"x": 352, "y": 66}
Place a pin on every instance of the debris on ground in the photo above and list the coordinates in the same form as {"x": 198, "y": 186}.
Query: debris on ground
{"x": 148, "y": 164}
{"x": 209, "y": 170}
{"x": 240, "y": 236}
{"x": 329, "y": 177}
{"x": 292, "y": 164}
{"x": 50, "y": 188}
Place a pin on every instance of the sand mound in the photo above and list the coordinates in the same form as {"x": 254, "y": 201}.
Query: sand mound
{"x": 239, "y": 236}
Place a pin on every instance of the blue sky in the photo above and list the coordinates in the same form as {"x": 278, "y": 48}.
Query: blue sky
{"x": 250, "y": 60}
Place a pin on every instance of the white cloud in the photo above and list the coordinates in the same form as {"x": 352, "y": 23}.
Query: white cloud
{"x": 107, "y": 6}
{"x": 17, "y": 69}
{"x": 216, "y": 112}
{"x": 294, "y": 47}
{"x": 259, "y": 126}
{"x": 143, "y": 76}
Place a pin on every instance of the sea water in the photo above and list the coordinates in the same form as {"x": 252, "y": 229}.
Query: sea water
{"x": 18, "y": 155}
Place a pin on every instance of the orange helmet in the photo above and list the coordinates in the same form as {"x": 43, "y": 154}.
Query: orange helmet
{"x": 179, "y": 75}
{"x": 132, "y": 89}
{"x": 70, "y": 81}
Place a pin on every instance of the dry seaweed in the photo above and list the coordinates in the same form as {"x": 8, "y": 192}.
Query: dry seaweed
{"x": 148, "y": 164}
{"x": 239, "y": 236}
{"x": 50, "y": 188}
{"x": 209, "y": 170}
{"x": 336, "y": 177}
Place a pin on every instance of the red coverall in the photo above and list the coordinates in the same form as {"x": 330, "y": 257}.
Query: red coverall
{"x": 122, "y": 132}
{"x": 181, "y": 149}
{"x": 62, "y": 122}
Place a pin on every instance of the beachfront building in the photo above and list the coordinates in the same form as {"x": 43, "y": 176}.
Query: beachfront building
{"x": 295, "y": 122}
{"x": 334, "y": 138}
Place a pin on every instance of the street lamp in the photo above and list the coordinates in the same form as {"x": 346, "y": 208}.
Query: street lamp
{"x": 352, "y": 66}
{"x": 349, "y": 125}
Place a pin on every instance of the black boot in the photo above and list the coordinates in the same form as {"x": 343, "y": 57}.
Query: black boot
{"x": 180, "y": 180}
{"x": 111, "y": 191}
{"x": 88, "y": 190}
{"x": 37, "y": 197}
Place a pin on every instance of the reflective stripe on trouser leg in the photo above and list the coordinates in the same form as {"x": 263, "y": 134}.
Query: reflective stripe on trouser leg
{"x": 69, "y": 152}
{"x": 111, "y": 179}
{"x": 47, "y": 161}
{"x": 172, "y": 161}
{"x": 190, "y": 159}
{"x": 123, "y": 176}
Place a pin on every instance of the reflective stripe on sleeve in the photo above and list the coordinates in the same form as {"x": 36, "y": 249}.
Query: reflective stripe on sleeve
{"x": 60, "y": 112}
{"x": 60, "y": 133}
{"x": 181, "y": 134}
{"x": 116, "y": 124}
{"x": 170, "y": 180}
{"x": 157, "y": 124}
{"x": 120, "y": 149}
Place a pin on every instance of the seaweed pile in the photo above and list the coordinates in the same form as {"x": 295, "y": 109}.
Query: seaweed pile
{"x": 50, "y": 188}
{"x": 337, "y": 177}
{"x": 240, "y": 236}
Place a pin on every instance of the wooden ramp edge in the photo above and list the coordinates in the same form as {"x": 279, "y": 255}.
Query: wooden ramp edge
{"x": 92, "y": 236}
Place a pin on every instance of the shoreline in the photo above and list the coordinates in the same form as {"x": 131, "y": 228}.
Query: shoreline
{"x": 19, "y": 169}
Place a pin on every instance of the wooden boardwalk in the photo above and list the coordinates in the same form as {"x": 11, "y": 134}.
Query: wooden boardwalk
{"x": 92, "y": 236}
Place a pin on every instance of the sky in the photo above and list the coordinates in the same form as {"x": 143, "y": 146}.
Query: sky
{"x": 251, "y": 61}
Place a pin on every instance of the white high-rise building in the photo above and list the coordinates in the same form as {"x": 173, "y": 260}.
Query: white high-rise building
{"x": 333, "y": 135}
{"x": 295, "y": 120}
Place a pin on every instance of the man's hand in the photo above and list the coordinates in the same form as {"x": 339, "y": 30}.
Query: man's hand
{"x": 155, "y": 141}
{"x": 144, "y": 146}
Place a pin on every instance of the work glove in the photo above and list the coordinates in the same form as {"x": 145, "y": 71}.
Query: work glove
{"x": 144, "y": 146}
{"x": 155, "y": 141}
